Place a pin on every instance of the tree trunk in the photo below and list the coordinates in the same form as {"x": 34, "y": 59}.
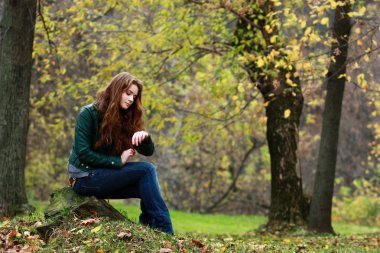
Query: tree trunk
{"x": 284, "y": 101}
{"x": 288, "y": 205}
{"x": 17, "y": 23}
{"x": 321, "y": 205}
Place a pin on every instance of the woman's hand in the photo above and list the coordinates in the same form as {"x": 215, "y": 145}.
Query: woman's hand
{"x": 138, "y": 137}
{"x": 126, "y": 155}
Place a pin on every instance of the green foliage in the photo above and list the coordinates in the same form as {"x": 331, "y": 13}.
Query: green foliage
{"x": 360, "y": 207}
{"x": 201, "y": 107}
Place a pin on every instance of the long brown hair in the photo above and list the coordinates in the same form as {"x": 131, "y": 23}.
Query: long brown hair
{"x": 118, "y": 125}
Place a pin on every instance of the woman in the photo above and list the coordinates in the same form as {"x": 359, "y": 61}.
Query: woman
{"x": 107, "y": 133}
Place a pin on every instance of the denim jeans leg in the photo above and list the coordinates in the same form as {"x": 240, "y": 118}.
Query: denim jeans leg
{"x": 144, "y": 217}
{"x": 134, "y": 180}
{"x": 151, "y": 198}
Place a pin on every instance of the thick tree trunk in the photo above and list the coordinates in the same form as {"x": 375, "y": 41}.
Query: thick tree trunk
{"x": 321, "y": 205}
{"x": 17, "y": 22}
{"x": 288, "y": 205}
{"x": 284, "y": 101}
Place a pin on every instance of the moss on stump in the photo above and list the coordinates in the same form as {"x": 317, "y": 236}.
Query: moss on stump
{"x": 66, "y": 204}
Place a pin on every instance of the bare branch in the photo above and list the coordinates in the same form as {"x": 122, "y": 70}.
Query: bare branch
{"x": 360, "y": 87}
{"x": 51, "y": 43}
{"x": 233, "y": 184}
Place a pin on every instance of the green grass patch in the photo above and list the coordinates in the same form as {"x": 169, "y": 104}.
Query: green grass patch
{"x": 210, "y": 224}
{"x": 217, "y": 224}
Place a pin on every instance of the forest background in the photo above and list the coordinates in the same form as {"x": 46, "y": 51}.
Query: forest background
{"x": 204, "y": 112}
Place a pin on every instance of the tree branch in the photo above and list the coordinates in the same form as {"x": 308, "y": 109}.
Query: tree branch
{"x": 233, "y": 184}
{"x": 50, "y": 42}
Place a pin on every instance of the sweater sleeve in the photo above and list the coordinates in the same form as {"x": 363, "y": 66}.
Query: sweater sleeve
{"x": 83, "y": 144}
{"x": 146, "y": 147}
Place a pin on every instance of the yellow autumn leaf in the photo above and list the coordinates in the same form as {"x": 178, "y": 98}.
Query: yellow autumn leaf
{"x": 303, "y": 24}
{"x": 307, "y": 31}
{"x": 274, "y": 53}
{"x": 291, "y": 83}
{"x": 361, "y": 11}
{"x": 341, "y": 76}
{"x": 96, "y": 229}
{"x": 325, "y": 21}
{"x": 287, "y": 113}
{"x": 260, "y": 62}
{"x": 268, "y": 28}
{"x": 273, "y": 39}
{"x": 333, "y": 4}
{"x": 360, "y": 78}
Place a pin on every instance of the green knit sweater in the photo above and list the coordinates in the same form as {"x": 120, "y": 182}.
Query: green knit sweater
{"x": 82, "y": 154}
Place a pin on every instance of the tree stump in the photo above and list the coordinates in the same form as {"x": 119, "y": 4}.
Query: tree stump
{"x": 66, "y": 203}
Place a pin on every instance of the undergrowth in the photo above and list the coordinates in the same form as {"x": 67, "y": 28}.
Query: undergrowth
{"x": 102, "y": 235}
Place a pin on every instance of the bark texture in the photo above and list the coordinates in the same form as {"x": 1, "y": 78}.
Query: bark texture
{"x": 17, "y": 22}
{"x": 288, "y": 205}
{"x": 284, "y": 102}
{"x": 65, "y": 205}
{"x": 321, "y": 205}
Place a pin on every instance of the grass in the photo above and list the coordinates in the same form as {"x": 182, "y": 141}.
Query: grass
{"x": 194, "y": 233}
{"x": 102, "y": 235}
{"x": 216, "y": 224}
{"x": 210, "y": 224}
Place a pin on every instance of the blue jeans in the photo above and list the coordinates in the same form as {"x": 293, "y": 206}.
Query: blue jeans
{"x": 134, "y": 180}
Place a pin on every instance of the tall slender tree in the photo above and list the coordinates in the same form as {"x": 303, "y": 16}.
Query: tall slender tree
{"x": 17, "y": 24}
{"x": 321, "y": 205}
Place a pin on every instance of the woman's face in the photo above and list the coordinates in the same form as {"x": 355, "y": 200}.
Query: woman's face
{"x": 128, "y": 96}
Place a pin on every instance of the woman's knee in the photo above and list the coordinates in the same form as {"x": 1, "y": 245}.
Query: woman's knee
{"x": 149, "y": 168}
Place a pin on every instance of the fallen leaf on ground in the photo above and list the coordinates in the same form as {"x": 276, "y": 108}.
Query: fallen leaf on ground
{"x": 124, "y": 234}
{"x": 32, "y": 238}
{"x": 197, "y": 243}
{"x": 37, "y": 224}
{"x": 165, "y": 250}
{"x": 96, "y": 229}
{"x": 12, "y": 234}
{"x": 90, "y": 221}
{"x": 168, "y": 245}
